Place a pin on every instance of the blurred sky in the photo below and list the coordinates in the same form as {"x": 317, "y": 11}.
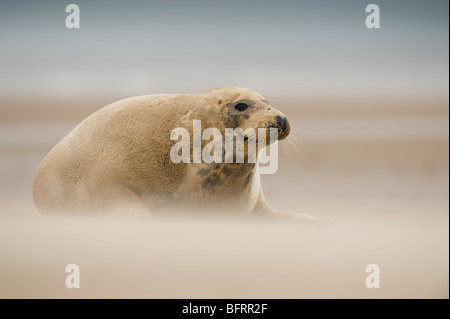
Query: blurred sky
{"x": 301, "y": 48}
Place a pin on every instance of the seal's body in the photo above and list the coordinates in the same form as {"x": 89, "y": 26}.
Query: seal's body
{"x": 118, "y": 159}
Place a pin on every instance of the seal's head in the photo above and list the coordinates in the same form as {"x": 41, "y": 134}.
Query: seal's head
{"x": 240, "y": 107}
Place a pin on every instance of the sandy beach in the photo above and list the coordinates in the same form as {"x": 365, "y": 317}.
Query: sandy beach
{"x": 378, "y": 176}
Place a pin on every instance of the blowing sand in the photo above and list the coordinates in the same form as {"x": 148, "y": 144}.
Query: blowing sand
{"x": 169, "y": 259}
{"x": 382, "y": 186}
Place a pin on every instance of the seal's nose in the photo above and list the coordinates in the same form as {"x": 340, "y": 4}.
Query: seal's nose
{"x": 283, "y": 124}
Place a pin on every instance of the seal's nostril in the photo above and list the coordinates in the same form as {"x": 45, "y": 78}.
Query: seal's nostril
{"x": 279, "y": 120}
{"x": 282, "y": 123}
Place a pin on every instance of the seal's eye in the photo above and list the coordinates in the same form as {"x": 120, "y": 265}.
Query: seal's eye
{"x": 241, "y": 107}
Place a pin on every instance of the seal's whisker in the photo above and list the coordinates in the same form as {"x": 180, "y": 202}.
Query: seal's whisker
{"x": 291, "y": 147}
{"x": 294, "y": 141}
{"x": 287, "y": 147}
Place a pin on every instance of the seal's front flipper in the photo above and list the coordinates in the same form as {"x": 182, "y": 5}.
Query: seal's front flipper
{"x": 294, "y": 216}
{"x": 264, "y": 210}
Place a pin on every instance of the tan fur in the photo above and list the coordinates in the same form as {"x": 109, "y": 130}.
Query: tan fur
{"x": 117, "y": 160}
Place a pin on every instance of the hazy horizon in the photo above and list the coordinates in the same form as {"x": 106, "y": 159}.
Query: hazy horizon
{"x": 300, "y": 48}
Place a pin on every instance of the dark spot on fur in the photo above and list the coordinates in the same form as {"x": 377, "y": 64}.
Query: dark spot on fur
{"x": 226, "y": 170}
{"x": 166, "y": 159}
{"x": 211, "y": 182}
{"x": 232, "y": 121}
{"x": 204, "y": 171}
{"x": 219, "y": 102}
{"x": 237, "y": 169}
{"x": 208, "y": 184}
{"x": 268, "y": 108}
